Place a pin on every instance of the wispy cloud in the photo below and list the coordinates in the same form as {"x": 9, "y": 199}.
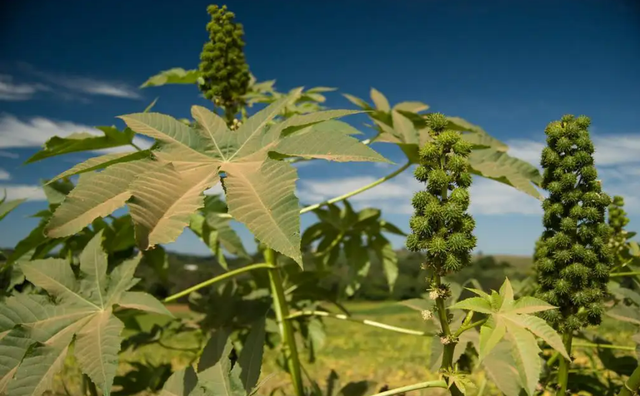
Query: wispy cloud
{"x": 394, "y": 196}
{"x": 12, "y": 91}
{"x": 4, "y": 175}
{"x": 19, "y": 191}
{"x": 33, "y": 132}
{"x": 616, "y": 157}
{"x": 7, "y": 154}
{"x": 67, "y": 86}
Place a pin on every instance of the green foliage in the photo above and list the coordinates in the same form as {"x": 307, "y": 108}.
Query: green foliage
{"x": 572, "y": 258}
{"x": 37, "y": 330}
{"x": 440, "y": 224}
{"x": 163, "y": 192}
{"x": 355, "y": 235}
{"x": 405, "y": 126}
{"x": 224, "y": 73}
{"x": 511, "y": 320}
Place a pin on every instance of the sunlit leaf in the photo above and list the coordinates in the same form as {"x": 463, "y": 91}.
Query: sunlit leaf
{"x": 176, "y": 75}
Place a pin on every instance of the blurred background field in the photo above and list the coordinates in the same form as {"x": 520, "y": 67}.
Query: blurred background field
{"x": 356, "y": 352}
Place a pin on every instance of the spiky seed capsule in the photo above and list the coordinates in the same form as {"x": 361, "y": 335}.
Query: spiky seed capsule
{"x": 444, "y": 167}
{"x": 224, "y": 71}
{"x": 571, "y": 259}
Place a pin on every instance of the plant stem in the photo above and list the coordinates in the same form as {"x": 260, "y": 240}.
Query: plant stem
{"x": 447, "y": 353}
{"x": 630, "y": 273}
{"x": 135, "y": 146}
{"x": 361, "y": 321}
{"x": 217, "y": 279}
{"x": 604, "y": 346}
{"x": 563, "y": 370}
{"x": 286, "y": 331}
{"x": 408, "y": 388}
{"x": 632, "y": 385}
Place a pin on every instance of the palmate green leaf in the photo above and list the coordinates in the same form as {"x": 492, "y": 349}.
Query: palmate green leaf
{"x": 42, "y": 328}
{"x": 259, "y": 189}
{"x": 499, "y": 166}
{"x": 512, "y": 320}
{"x": 526, "y": 354}
{"x": 478, "y": 137}
{"x": 176, "y": 75}
{"x": 101, "y": 162}
{"x": 625, "y": 313}
{"x": 181, "y": 383}
{"x": 96, "y": 195}
{"x": 164, "y": 199}
{"x": 500, "y": 367}
{"x": 82, "y": 141}
{"x": 143, "y": 302}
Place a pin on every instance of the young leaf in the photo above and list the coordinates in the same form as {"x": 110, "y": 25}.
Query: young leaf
{"x": 43, "y": 328}
{"x": 176, "y": 75}
{"x": 380, "y": 100}
{"x": 82, "y": 141}
{"x": 7, "y": 207}
{"x": 512, "y": 319}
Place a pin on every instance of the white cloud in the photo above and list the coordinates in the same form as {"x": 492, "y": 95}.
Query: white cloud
{"x": 37, "y": 130}
{"x": 7, "y": 154}
{"x": 215, "y": 190}
{"x": 95, "y": 87}
{"x": 617, "y": 160}
{"x": 4, "y": 175}
{"x": 66, "y": 84}
{"x": 11, "y": 91}
{"x": 488, "y": 197}
{"x": 18, "y": 191}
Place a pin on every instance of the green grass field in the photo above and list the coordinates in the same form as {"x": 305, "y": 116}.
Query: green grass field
{"x": 356, "y": 352}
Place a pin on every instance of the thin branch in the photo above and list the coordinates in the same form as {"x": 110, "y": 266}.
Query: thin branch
{"x": 470, "y": 326}
{"x": 361, "y": 321}
{"x": 604, "y": 346}
{"x": 135, "y": 146}
{"x": 215, "y": 279}
{"x": 618, "y": 274}
{"x": 422, "y": 385}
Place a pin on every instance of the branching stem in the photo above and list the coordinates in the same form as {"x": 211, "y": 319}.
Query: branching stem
{"x": 215, "y": 279}
{"x": 361, "y": 321}
{"x": 470, "y": 326}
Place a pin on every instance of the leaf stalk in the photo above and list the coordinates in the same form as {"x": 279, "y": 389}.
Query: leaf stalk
{"x": 408, "y": 388}
{"x": 361, "y": 321}
{"x": 215, "y": 279}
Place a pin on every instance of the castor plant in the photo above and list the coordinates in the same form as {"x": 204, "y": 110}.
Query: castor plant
{"x": 572, "y": 259}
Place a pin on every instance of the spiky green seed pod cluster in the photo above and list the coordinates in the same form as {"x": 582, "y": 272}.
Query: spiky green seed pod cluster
{"x": 224, "y": 70}
{"x": 617, "y": 221}
{"x": 572, "y": 258}
{"x": 441, "y": 225}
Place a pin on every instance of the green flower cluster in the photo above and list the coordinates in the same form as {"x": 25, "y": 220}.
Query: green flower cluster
{"x": 223, "y": 68}
{"x": 617, "y": 221}
{"x": 572, "y": 258}
{"x": 441, "y": 224}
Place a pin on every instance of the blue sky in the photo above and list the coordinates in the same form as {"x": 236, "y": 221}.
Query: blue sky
{"x": 508, "y": 66}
